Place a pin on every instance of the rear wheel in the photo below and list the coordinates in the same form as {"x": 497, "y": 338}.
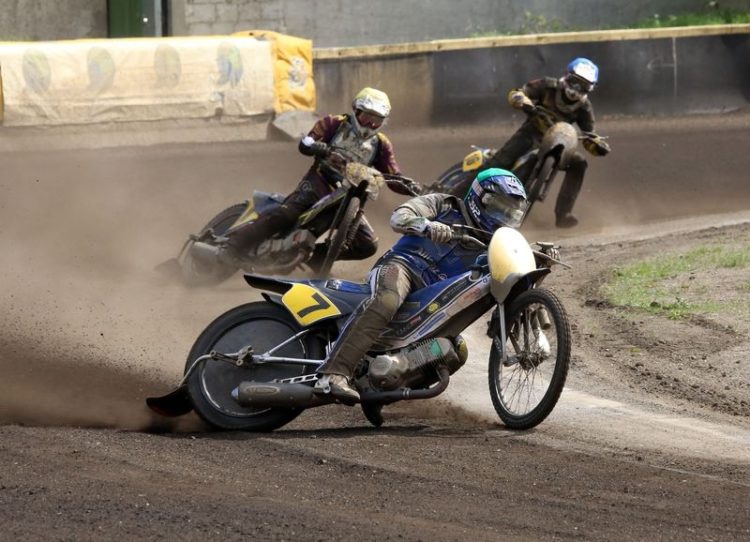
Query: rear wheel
{"x": 195, "y": 272}
{"x": 261, "y": 325}
{"x": 338, "y": 240}
{"x": 526, "y": 383}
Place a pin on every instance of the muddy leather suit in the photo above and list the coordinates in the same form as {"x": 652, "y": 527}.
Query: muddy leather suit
{"x": 319, "y": 181}
{"x": 413, "y": 262}
{"x": 546, "y": 92}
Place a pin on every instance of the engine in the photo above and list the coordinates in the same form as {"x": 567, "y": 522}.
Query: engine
{"x": 414, "y": 366}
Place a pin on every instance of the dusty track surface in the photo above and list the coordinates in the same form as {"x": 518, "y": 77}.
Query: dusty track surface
{"x": 649, "y": 441}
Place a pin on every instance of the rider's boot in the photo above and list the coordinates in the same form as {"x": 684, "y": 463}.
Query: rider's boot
{"x": 566, "y": 220}
{"x": 338, "y": 386}
{"x": 566, "y": 199}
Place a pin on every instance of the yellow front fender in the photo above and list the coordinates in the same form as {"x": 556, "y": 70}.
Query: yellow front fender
{"x": 510, "y": 258}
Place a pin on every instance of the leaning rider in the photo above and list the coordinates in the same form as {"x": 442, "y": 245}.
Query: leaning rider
{"x": 427, "y": 253}
{"x": 567, "y": 98}
{"x": 333, "y": 141}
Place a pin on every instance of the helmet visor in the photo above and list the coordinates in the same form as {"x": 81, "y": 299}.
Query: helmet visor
{"x": 578, "y": 83}
{"x": 369, "y": 120}
{"x": 504, "y": 208}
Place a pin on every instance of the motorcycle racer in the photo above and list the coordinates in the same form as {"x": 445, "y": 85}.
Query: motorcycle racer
{"x": 567, "y": 97}
{"x": 332, "y": 141}
{"x": 425, "y": 254}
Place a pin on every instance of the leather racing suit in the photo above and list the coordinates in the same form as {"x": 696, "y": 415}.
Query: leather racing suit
{"x": 547, "y": 92}
{"x": 319, "y": 181}
{"x": 413, "y": 262}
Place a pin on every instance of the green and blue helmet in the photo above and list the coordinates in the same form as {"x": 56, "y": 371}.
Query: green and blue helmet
{"x": 496, "y": 198}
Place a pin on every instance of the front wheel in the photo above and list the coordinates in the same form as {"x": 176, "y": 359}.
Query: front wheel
{"x": 261, "y": 325}
{"x": 198, "y": 273}
{"x": 536, "y": 186}
{"x": 527, "y": 379}
{"x": 339, "y": 237}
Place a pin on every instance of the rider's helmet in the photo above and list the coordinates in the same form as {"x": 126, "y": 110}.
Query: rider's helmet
{"x": 496, "y": 198}
{"x": 580, "y": 79}
{"x": 371, "y": 108}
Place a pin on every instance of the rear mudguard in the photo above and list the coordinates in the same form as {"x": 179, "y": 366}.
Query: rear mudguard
{"x": 173, "y": 404}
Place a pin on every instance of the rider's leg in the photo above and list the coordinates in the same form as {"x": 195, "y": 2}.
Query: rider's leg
{"x": 390, "y": 283}
{"x": 518, "y": 144}
{"x": 279, "y": 219}
{"x": 566, "y": 199}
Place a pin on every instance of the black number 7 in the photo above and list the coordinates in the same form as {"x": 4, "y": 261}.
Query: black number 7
{"x": 321, "y": 305}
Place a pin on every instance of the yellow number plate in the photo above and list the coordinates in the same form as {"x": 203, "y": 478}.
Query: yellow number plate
{"x": 308, "y": 305}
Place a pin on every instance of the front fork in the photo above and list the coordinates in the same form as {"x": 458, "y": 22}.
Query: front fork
{"x": 534, "y": 325}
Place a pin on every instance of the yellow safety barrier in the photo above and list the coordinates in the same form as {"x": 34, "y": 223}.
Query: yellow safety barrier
{"x": 293, "y": 70}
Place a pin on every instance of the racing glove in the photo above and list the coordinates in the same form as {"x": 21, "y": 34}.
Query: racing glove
{"x": 596, "y": 145}
{"x": 320, "y": 148}
{"x": 439, "y": 233}
{"x": 519, "y": 100}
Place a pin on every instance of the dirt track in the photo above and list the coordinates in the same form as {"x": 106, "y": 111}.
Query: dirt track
{"x": 649, "y": 441}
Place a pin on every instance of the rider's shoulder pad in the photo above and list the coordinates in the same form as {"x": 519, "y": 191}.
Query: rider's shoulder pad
{"x": 550, "y": 82}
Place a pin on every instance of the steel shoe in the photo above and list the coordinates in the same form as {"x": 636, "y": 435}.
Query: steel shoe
{"x": 338, "y": 386}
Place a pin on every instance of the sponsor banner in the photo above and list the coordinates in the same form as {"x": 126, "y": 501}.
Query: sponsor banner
{"x": 95, "y": 81}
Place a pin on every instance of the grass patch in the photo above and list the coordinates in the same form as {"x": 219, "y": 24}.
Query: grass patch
{"x": 534, "y": 23}
{"x": 663, "y": 285}
{"x": 713, "y": 17}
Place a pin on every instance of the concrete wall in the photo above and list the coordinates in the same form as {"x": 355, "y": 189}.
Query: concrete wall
{"x": 340, "y": 23}
{"x": 42, "y": 20}
{"x": 651, "y": 72}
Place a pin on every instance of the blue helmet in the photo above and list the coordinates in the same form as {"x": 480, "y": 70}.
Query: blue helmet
{"x": 582, "y": 77}
{"x": 496, "y": 198}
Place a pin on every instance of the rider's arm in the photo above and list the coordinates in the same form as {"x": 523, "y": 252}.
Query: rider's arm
{"x": 592, "y": 143}
{"x": 385, "y": 158}
{"x": 414, "y": 216}
{"x": 315, "y": 143}
{"x": 518, "y": 99}
{"x": 528, "y": 95}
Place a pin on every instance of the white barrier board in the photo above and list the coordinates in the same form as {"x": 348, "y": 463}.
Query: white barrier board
{"x": 119, "y": 80}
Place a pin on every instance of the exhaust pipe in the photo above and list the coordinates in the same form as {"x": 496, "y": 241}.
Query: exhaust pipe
{"x": 269, "y": 395}
{"x": 407, "y": 393}
{"x": 284, "y": 395}
{"x": 205, "y": 253}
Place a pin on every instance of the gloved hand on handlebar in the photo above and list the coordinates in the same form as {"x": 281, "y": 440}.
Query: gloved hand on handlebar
{"x": 519, "y": 100}
{"x": 596, "y": 145}
{"x": 320, "y": 148}
{"x": 528, "y": 107}
{"x": 439, "y": 232}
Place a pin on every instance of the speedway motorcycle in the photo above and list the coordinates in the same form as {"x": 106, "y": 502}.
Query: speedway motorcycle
{"x": 254, "y": 367}
{"x": 333, "y": 221}
{"x": 537, "y": 168}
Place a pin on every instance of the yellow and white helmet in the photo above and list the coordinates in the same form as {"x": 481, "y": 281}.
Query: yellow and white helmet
{"x": 371, "y": 108}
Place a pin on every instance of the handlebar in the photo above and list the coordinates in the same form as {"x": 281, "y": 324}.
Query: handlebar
{"x": 468, "y": 235}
